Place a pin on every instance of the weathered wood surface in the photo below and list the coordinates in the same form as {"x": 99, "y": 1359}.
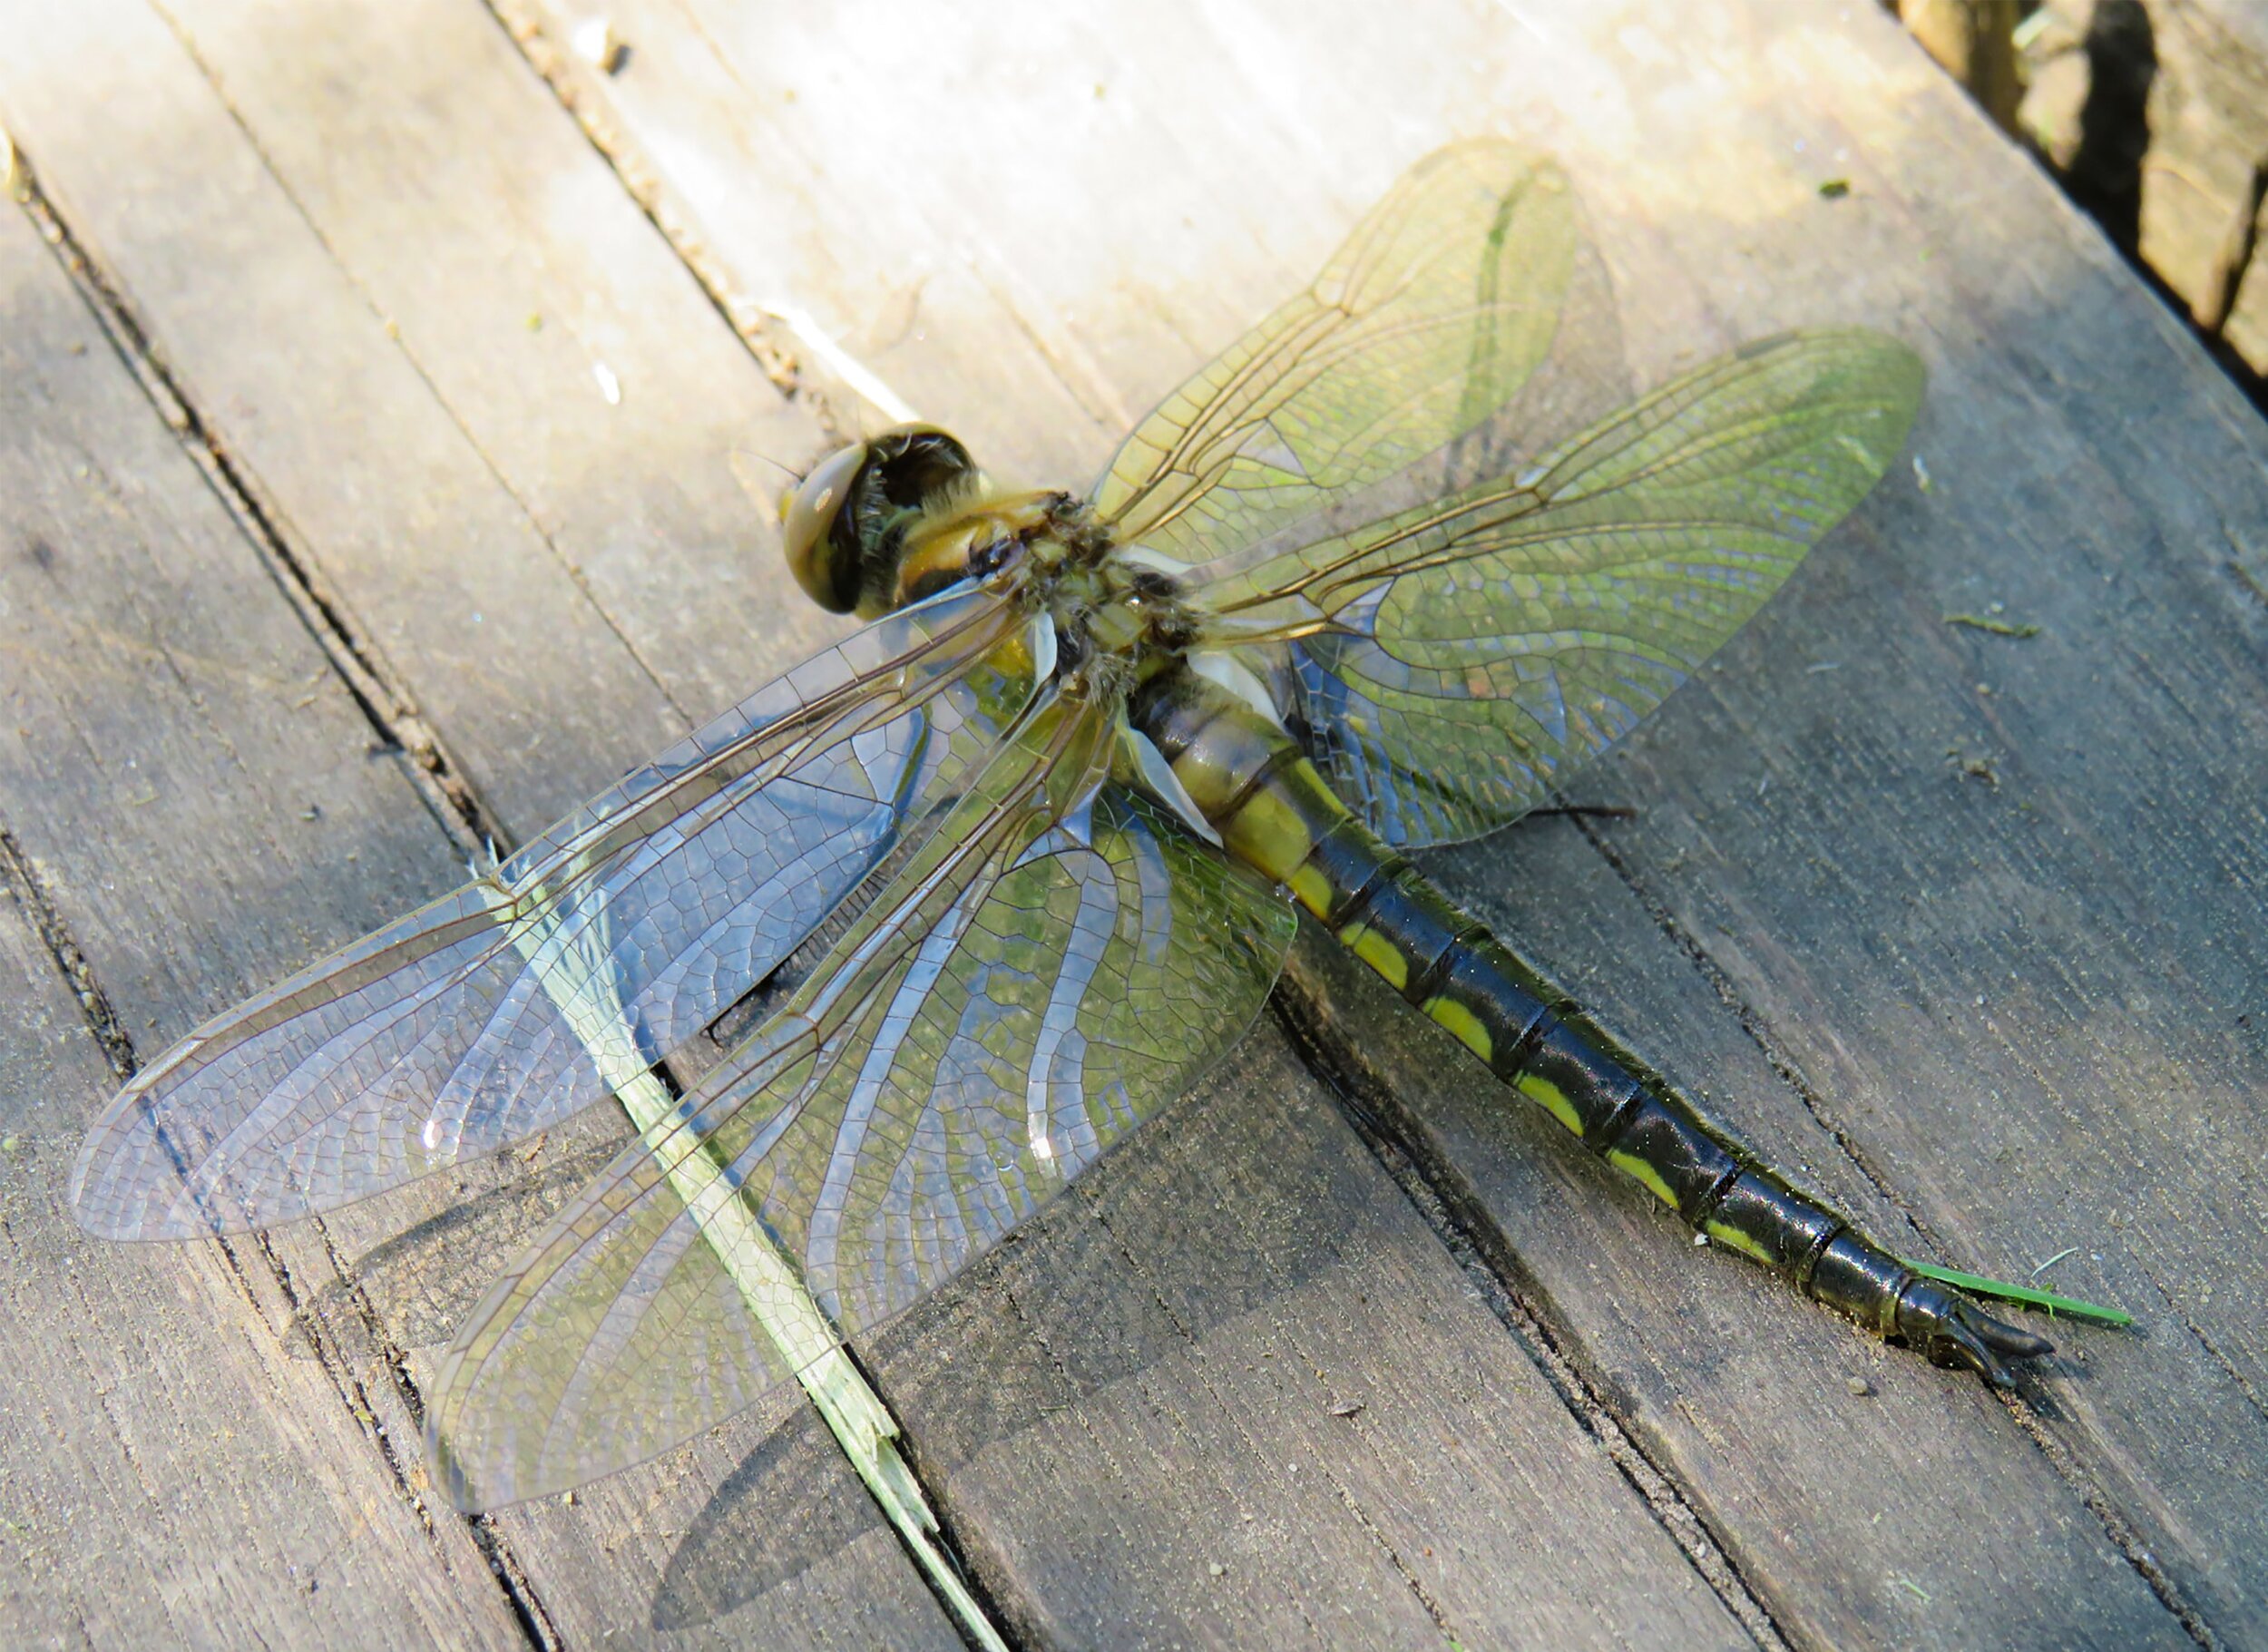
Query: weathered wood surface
{"x": 166, "y": 1465}
{"x": 334, "y": 225}
{"x": 1701, "y": 148}
{"x": 254, "y": 134}
{"x": 2157, "y": 110}
{"x": 402, "y": 470}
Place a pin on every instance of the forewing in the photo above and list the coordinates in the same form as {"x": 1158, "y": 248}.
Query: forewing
{"x": 1429, "y": 318}
{"x": 1479, "y": 644}
{"x": 498, "y": 1010}
{"x": 1070, "y": 979}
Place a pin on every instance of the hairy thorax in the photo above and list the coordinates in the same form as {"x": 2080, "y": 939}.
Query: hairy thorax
{"x": 1120, "y": 617}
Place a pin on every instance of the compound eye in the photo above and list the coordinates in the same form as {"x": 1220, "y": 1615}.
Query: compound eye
{"x": 822, "y": 563}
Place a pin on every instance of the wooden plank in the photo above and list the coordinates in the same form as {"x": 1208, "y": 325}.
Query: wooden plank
{"x": 2156, "y": 114}
{"x": 1858, "y": 919}
{"x": 2204, "y": 176}
{"x": 1336, "y": 1553}
{"x": 348, "y": 444}
{"x": 1702, "y": 149}
{"x": 574, "y": 1561}
{"x": 1146, "y": 1389}
{"x": 1738, "y": 1390}
{"x": 591, "y": 1568}
{"x": 172, "y": 1464}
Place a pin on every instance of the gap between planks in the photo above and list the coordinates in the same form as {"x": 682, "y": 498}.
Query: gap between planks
{"x": 301, "y": 570}
{"x": 552, "y": 66}
{"x": 393, "y": 716}
{"x": 1472, "y": 1241}
{"x": 396, "y": 722}
{"x": 567, "y": 80}
{"x": 457, "y": 810}
{"x": 2116, "y": 1528}
{"x": 1485, "y": 1254}
{"x": 384, "y": 704}
{"x": 1430, "y": 1190}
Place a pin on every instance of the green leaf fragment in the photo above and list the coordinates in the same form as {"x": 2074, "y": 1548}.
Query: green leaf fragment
{"x": 1977, "y": 1284}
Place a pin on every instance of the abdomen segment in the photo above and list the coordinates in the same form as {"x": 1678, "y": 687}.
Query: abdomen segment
{"x": 1274, "y": 810}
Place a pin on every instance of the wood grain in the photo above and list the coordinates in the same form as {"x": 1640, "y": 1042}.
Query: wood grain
{"x": 2156, "y": 113}
{"x": 170, "y": 911}
{"x": 1702, "y": 151}
{"x": 443, "y": 85}
{"x": 1146, "y": 1387}
{"x": 334, "y": 226}
{"x": 170, "y": 1467}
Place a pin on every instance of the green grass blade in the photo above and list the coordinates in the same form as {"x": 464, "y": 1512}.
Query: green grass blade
{"x": 1977, "y": 1284}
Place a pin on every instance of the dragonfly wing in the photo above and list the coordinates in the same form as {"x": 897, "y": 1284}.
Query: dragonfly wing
{"x": 1061, "y": 983}
{"x": 1481, "y": 643}
{"x": 1432, "y": 316}
{"x": 500, "y": 1008}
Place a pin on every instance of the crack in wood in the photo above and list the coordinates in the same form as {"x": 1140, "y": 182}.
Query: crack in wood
{"x": 2117, "y": 1528}
{"x": 1485, "y": 1254}
{"x": 20, "y": 880}
{"x": 301, "y": 568}
{"x": 390, "y": 714}
{"x": 559, "y": 71}
{"x": 520, "y": 1593}
{"x": 1752, "y": 1023}
{"x": 386, "y": 705}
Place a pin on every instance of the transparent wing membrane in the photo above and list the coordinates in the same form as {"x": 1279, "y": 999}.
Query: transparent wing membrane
{"x": 1429, "y": 318}
{"x": 1032, "y": 956}
{"x": 1052, "y": 967}
{"x": 1478, "y": 645}
{"x": 466, "y": 1024}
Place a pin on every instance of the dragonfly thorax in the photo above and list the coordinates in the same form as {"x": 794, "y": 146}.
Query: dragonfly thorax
{"x": 888, "y": 522}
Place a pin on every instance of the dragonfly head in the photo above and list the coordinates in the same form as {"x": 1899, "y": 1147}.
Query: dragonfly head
{"x": 844, "y": 525}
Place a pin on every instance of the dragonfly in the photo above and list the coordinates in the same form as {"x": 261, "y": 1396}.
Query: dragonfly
{"x": 1022, "y": 856}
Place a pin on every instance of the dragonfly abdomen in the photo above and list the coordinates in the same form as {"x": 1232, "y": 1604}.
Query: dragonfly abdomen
{"x": 1274, "y": 810}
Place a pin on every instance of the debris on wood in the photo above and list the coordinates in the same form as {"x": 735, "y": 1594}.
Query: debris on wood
{"x": 596, "y": 42}
{"x": 1990, "y": 623}
{"x": 1975, "y": 769}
